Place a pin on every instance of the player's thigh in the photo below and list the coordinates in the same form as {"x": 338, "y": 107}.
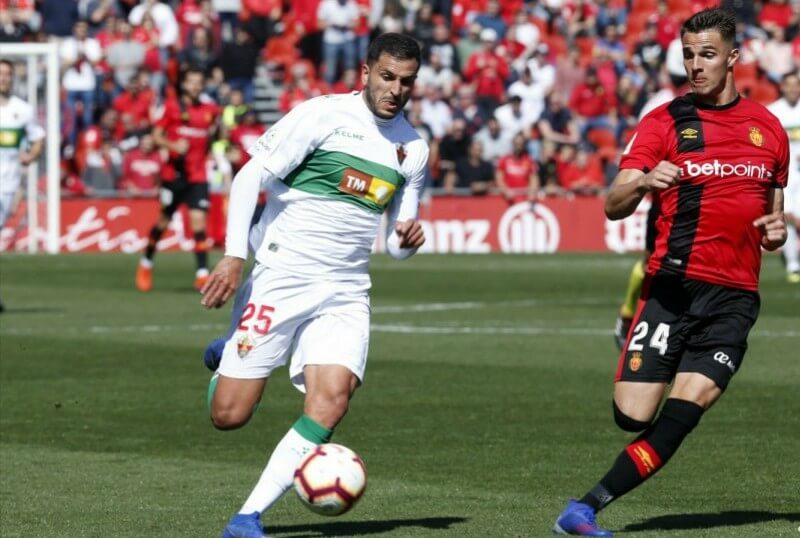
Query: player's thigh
{"x": 170, "y": 195}
{"x": 339, "y": 335}
{"x": 328, "y": 391}
{"x": 657, "y": 337}
{"x": 695, "y": 387}
{"x": 277, "y": 306}
{"x": 717, "y": 343}
{"x": 237, "y": 394}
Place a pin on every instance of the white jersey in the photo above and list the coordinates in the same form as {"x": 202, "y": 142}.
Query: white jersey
{"x": 16, "y": 124}
{"x": 340, "y": 167}
{"x": 789, "y": 116}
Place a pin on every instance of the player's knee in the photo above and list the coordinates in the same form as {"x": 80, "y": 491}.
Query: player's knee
{"x": 229, "y": 416}
{"x": 628, "y": 423}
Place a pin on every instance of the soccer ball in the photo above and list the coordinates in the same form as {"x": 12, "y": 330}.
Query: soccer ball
{"x": 330, "y": 479}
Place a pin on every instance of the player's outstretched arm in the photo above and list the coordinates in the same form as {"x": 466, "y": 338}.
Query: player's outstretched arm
{"x": 630, "y": 186}
{"x": 773, "y": 224}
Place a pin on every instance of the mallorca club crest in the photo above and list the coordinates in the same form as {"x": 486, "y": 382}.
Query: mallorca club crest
{"x": 243, "y": 345}
{"x": 401, "y": 153}
{"x": 756, "y": 137}
{"x": 636, "y": 362}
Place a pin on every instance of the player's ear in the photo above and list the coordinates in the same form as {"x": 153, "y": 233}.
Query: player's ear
{"x": 733, "y": 57}
{"x": 364, "y": 74}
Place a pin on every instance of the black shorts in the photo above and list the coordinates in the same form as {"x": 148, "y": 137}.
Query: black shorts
{"x": 174, "y": 193}
{"x": 684, "y": 325}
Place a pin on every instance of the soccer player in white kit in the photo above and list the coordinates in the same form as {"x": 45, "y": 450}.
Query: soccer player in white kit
{"x": 17, "y": 124}
{"x": 787, "y": 110}
{"x": 332, "y": 166}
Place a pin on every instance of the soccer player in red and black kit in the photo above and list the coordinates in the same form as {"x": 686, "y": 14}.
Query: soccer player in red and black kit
{"x": 184, "y": 130}
{"x": 717, "y": 164}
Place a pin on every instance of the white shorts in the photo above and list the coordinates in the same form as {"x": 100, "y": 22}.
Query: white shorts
{"x": 311, "y": 322}
{"x": 6, "y": 206}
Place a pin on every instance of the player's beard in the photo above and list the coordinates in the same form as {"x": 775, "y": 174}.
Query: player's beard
{"x": 373, "y": 104}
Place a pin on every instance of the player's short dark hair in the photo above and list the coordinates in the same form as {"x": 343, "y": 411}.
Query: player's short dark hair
{"x": 192, "y": 69}
{"x": 790, "y": 74}
{"x": 716, "y": 19}
{"x": 396, "y": 45}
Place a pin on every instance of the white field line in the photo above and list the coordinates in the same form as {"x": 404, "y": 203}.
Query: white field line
{"x": 476, "y": 305}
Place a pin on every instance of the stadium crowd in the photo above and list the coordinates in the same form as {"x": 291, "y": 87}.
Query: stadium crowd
{"x": 524, "y": 98}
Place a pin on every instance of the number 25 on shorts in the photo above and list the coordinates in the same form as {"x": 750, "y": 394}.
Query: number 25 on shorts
{"x": 262, "y": 321}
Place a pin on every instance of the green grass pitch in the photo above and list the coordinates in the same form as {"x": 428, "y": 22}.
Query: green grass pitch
{"x": 487, "y": 404}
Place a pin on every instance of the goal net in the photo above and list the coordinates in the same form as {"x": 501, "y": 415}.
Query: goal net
{"x": 34, "y": 226}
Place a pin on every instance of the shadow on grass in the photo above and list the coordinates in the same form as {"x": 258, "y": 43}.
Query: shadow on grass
{"x": 706, "y": 521}
{"x": 361, "y": 528}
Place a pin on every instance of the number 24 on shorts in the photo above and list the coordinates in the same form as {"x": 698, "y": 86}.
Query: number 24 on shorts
{"x": 262, "y": 321}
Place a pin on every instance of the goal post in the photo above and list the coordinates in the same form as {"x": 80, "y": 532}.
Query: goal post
{"x": 33, "y": 54}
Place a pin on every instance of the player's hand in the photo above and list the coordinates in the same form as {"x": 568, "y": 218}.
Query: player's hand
{"x": 222, "y": 282}
{"x": 773, "y": 228}
{"x": 181, "y": 146}
{"x": 25, "y": 158}
{"x": 410, "y": 234}
{"x": 663, "y": 176}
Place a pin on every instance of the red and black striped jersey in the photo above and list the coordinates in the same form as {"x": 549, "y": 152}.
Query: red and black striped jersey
{"x": 730, "y": 157}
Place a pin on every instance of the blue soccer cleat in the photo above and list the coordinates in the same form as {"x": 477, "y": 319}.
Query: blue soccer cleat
{"x": 244, "y": 526}
{"x": 578, "y": 519}
{"x": 213, "y": 353}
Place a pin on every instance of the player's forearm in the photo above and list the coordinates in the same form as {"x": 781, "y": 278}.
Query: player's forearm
{"x": 241, "y": 206}
{"x": 406, "y": 209}
{"x": 625, "y": 194}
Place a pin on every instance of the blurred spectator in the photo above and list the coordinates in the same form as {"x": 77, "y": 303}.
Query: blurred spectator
{"x": 513, "y": 118}
{"x": 611, "y": 48}
{"x": 243, "y": 136}
{"x": 467, "y": 45}
{"x": 745, "y": 10}
{"x": 531, "y": 93}
{"x": 58, "y": 16}
{"x": 466, "y": 107}
{"x": 338, "y": 19}
{"x": 414, "y": 116}
{"x": 648, "y": 52}
{"x": 516, "y": 175}
{"x": 193, "y": 14}
{"x": 488, "y": 71}
{"x": 301, "y": 87}
{"x": 668, "y": 26}
{"x": 453, "y": 147}
{"x": 568, "y": 72}
{"x": 543, "y": 72}
{"x": 593, "y": 106}
{"x": 580, "y": 17}
{"x": 125, "y": 56}
{"x": 392, "y": 19}
{"x": 436, "y": 74}
{"x": 101, "y": 162}
{"x": 471, "y": 172}
{"x": 556, "y": 125}
{"x": 363, "y": 30}
{"x": 548, "y": 170}
{"x": 147, "y": 34}
{"x": 435, "y": 112}
{"x": 776, "y": 56}
{"x": 526, "y": 34}
{"x": 141, "y": 168}
{"x": 611, "y": 13}
{"x": 200, "y": 52}
{"x": 238, "y": 60}
{"x": 444, "y": 48}
{"x": 163, "y": 19}
{"x": 777, "y": 14}
{"x": 422, "y": 28}
{"x": 17, "y": 18}
{"x": 494, "y": 141}
{"x": 350, "y": 82}
{"x": 79, "y": 54}
{"x": 233, "y": 111}
{"x": 137, "y": 100}
{"x": 95, "y": 13}
{"x": 261, "y": 17}
{"x": 491, "y": 18}
{"x": 579, "y": 172}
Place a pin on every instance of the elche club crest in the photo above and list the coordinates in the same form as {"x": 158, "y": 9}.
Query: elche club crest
{"x": 401, "y": 153}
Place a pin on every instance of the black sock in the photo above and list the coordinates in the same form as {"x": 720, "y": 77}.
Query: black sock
{"x": 201, "y": 250}
{"x": 155, "y": 235}
{"x": 647, "y": 454}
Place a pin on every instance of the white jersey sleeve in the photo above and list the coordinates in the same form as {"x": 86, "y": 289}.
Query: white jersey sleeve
{"x": 287, "y": 143}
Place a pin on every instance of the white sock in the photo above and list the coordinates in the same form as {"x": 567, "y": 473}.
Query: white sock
{"x": 278, "y": 475}
{"x": 790, "y": 250}
{"x": 147, "y": 264}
